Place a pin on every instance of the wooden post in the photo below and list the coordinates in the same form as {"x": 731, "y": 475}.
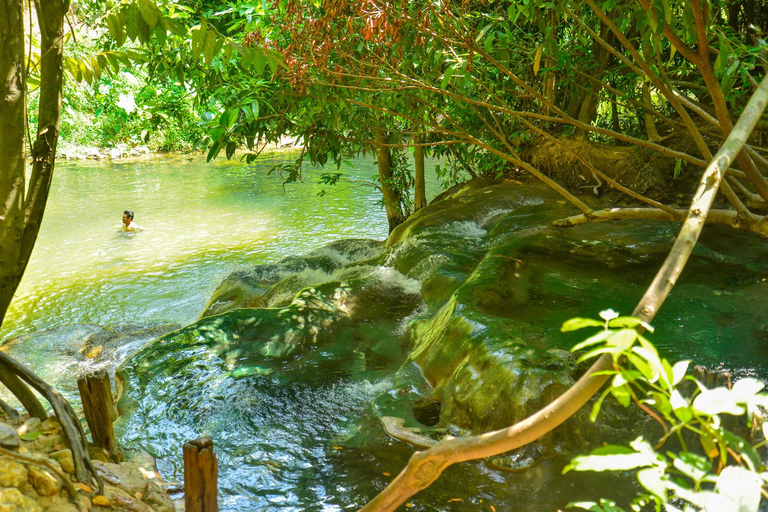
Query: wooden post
{"x": 99, "y": 410}
{"x": 200, "y": 476}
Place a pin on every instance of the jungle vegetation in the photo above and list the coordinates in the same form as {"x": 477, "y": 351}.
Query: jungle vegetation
{"x": 623, "y": 98}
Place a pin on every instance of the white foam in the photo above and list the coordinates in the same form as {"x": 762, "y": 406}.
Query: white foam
{"x": 484, "y": 217}
{"x": 389, "y": 277}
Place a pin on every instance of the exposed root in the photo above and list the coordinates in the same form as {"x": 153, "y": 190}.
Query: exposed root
{"x": 53, "y": 469}
{"x": 70, "y": 425}
{"x": 395, "y": 428}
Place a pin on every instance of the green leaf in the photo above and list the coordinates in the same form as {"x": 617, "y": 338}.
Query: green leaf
{"x": 116, "y": 28}
{"x": 717, "y": 401}
{"x": 678, "y": 165}
{"x": 592, "y": 340}
{"x": 744, "y": 390}
{"x": 149, "y": 12}
{"x": 211, "y": 46}
{"x": 31, "y": 436}
{"x": 234, "y": 116}
{"x": 667, "y": 12}
{"x": 600, "y": 350}
{"x": 680, "y": 407}
{"x": 742, "y": 487}
{"x": 749, "y": 455}
{"x": 231, "y": 147}
{"x": 692, "y": 465}
{"x": 641, "y": 365}
{"x": 272, "y": 61}
{"x": 214, "y": 151}
{"x": 629, "y": 322}
{"x": 96, "y": 68}
{"x": 622, "y": 339}
{"x": 488, "y": 43}
{"x": 597, "y": 404}
{"x": 447, "y": 78}
{"x": 579, "y": 323}
{"x": 130, "y": 17}
{"x": 609, "y": 458}
{"x": 678, "y": 371}
{"x": 228, "y": 51}
{"x": 161, "y": 34}
{"x": 621, "y": 394}
{"x": 113, "y": 61}
{"x": 653, "y": 480}
{"x": 255, "y": 109}
{"x": 661, "y": 402}
{"x": 198, "y": 38}
{"x": 86, "y": 72}
{"x": 143, "y": 34}
{"x": 174, "y": 26}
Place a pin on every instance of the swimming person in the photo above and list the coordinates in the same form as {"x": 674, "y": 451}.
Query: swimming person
{"x": 128, "y": 223}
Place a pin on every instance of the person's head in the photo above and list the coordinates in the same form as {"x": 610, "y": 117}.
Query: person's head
{"x": 127, "y": 217}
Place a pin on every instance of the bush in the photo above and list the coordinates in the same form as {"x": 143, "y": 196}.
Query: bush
{"x": 721, "y": 473}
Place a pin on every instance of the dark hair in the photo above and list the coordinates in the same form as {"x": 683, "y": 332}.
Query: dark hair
{"x": 129, "y": 213}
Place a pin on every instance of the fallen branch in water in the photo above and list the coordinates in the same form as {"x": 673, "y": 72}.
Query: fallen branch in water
{"x": 757, "y": 224}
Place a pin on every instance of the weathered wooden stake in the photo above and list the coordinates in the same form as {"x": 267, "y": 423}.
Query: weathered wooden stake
{"x": 200, "y": 476}
{"x": 99, "y": 410}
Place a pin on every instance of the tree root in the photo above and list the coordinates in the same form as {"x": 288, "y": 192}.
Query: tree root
{"x": 395, "y": 428}
{"x": 70, "y": 425}
{"x": 30, "y": 460}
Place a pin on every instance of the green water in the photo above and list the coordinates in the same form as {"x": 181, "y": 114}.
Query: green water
{"x": 310, "y": 442}
{"x": 201, "y": 221}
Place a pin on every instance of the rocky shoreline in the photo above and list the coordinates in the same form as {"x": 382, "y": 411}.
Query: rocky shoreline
{"x": 37, "y": 474}
{"x": 120, "y": 151}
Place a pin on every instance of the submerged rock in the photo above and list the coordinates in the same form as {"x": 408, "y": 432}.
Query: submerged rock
{"x": 276, "y": 284}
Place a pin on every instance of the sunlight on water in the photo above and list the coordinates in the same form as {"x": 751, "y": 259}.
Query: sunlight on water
{"x": 200, "y": 222}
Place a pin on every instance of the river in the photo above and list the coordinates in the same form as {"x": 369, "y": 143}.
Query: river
{"x": 310, "y": 445}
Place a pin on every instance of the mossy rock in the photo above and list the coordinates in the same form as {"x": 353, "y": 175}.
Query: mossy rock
{"x": 275, "y": 284}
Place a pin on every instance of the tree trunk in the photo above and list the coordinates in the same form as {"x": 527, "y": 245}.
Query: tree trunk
{"x": 420, "y": 194}
{"x": 392, "y": 202}
{"x": 12, "y": 158}
{"x": 550, "y": 80}
{"x": 616, "y": 123}
{"x": 588, "y": 107}
{"x": 50, "y": 16}
{"x": 650, "y": 120}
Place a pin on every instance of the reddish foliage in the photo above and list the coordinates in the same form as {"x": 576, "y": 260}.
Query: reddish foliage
{"x": 308, "y": 39}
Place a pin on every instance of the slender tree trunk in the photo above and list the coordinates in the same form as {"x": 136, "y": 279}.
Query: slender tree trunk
{"x": 616, "y": 123}
{"x": 588, "y": 107}
{"x": 392, "y": 203}
{"x": 50, "y": 16}
{"x": 12, "y": 159}
{"x": 550, "y": 46}
{"x": 650, "y": 121}
{"x": 420, "y": 194}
